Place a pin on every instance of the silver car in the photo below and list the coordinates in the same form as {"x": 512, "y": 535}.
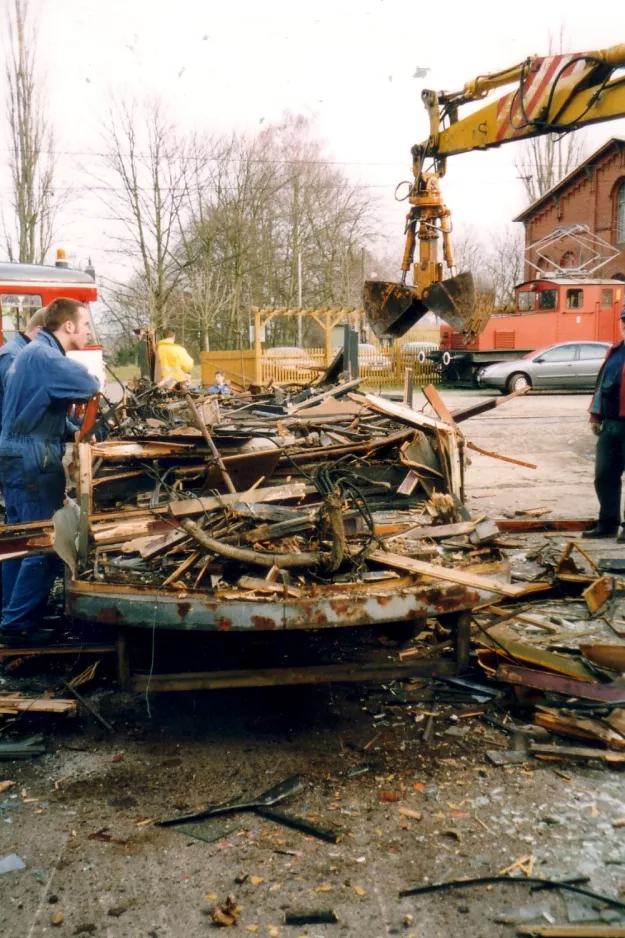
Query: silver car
{"x": 565, "y": 365}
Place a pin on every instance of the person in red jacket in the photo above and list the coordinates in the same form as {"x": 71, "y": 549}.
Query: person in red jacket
{"x": 607, "y": 418}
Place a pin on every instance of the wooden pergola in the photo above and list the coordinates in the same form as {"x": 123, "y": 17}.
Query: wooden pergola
{"x": 327, "y": 317}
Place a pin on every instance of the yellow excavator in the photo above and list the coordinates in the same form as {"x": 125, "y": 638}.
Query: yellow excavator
{"x": 553, "y": 95}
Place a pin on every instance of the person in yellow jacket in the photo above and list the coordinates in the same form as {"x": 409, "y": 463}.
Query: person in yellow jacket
{"x": 175, "y": 361}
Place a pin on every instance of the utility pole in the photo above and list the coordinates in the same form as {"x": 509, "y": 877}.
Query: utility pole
{"x": 299, "y": 298}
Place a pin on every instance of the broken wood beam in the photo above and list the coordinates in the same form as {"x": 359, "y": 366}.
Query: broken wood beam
{"x": 451, "y": 574}
{"x": 573, "y": 931}
{"x": 435, "y": 531}
{"x": 475, "y": 409}
{"x": 268, "y": 586}
{"x": 576, "y": 753}
{"x": 20, "y": 703}
{"x": 486, "y": 452}
{"x": 438, "y": 405}
{"x": 201, "y": 425}
{"x": 274, "y": 493}
{"x": 519, "y": 525}
{"x": 336, "y": 391}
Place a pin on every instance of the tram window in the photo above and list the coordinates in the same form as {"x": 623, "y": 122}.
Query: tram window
{"x": 574, "y": 299}
{"x": 17, "y": 308}
{"x": 607, "y": 298}
{"x": 526, "y": 301}
{"x": 548, "y": 299}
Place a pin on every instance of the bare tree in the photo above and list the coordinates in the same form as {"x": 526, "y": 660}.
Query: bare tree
{"x": 543, "y": 161}
{"x": 31, "y": 144}
{"x": 504, "y": 264}
{"x": 212, "y": 226}
{"x": 142, "y": 186}
{"x": 469, "y": 249}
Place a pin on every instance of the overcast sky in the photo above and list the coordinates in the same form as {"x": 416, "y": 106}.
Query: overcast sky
{"x": 349, "y": 63}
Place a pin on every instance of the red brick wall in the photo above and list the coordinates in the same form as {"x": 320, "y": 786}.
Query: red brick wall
{"x": 588, "y": 199}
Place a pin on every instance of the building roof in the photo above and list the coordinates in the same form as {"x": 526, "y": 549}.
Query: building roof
{"x": 567, "y": 179}
{"x": 577, "y": 281}
{"x": 39, "y": 273}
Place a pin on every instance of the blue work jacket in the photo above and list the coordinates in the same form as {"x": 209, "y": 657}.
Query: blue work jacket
{"x": 40, "y": 384}
{"x": 8, "y": 353}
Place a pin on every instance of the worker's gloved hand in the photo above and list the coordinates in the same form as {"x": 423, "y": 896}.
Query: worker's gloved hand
{"x": 596, "y": 428}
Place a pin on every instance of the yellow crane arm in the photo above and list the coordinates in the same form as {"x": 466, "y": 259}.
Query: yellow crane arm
{"x": 553, "y": 94}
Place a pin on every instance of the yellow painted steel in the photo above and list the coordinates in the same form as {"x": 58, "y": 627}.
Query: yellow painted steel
{"x": 552, "y": 94}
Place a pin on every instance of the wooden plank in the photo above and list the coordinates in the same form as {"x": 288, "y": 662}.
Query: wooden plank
{"x": 113, "y": 449}
{"x": 438, "y": 405}
{"x": 409, "y": 484}
{"x": 486, "y": 452}
{"x": 450, "y": 574}
{"x": 518, "y": 525}
{"x": 85, "y": 495}
{"x": 327, "y": 453}
{"x": 20, "y": 703}
{"x": 268, "y": 586}
{"x": 606, "y": 656}
{"x": 408, "y": 387}
{"x": 598, "y": 593}
{"x": 336, "y": 391}
{"x": 539, "y": 658}
{"x": 579, "y": 727}
{"x": 435, "y": 531}
{"x": 180, "y": 570}
{"x": 275, "y": 493}
{"x": 397, "y": 411}
{"x": 483, "y": 406}
{"x": 573, "y": 931}
{"x": 122, "y": 531}
{"x": 576, "y": 753}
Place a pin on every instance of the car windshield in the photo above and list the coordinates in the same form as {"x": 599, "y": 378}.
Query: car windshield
{"x": 532, "y": 354}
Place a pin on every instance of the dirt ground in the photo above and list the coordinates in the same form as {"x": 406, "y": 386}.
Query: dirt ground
{"x": 175, "y": 752}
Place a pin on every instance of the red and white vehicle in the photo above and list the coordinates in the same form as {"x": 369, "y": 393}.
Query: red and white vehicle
{"x": 25, "y": 288}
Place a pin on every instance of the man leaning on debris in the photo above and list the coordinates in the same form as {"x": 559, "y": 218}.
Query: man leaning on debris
{"x": 41, "y": 383}
{"x": 10, "y": 351}
{"x": 607, "y": 417}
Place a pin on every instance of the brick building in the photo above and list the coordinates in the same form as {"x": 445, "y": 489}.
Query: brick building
{"x": 594, "y": 195}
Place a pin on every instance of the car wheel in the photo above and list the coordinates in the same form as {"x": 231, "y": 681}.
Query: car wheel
{"x": 518, "y": 382}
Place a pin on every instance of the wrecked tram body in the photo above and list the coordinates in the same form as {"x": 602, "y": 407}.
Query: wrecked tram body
{"x": 297, "y": 525}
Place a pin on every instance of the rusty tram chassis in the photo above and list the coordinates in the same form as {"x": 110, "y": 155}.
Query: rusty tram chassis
{"x": 131, "y": 610}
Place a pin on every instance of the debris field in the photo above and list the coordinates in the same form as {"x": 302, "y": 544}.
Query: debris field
{"x": 479, "y": 737}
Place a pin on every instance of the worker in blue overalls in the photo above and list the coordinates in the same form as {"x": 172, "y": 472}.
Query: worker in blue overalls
{"x": 40, "y": 384}
{"x": 10, "y": 351}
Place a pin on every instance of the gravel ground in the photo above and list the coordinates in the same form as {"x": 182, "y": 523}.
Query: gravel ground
{"x": 188, "y": 749}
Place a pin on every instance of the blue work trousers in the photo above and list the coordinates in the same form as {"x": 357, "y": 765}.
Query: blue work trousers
{"x": 26, "y": 583}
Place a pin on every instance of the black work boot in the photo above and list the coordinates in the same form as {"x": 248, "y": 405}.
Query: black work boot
{"x": 27, "y": 638}
{"x": 601, "y": 529}
{"x": 620, "y": 537}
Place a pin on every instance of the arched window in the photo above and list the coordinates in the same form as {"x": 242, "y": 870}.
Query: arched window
{"x": 620, "y": 214}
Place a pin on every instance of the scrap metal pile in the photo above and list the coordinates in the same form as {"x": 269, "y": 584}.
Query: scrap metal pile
{"x": 270, "y": 493}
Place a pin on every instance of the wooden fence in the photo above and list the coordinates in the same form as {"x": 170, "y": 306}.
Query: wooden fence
{"x": 382, "y": 368}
